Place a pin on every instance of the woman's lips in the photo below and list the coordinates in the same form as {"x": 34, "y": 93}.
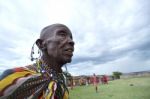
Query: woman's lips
{"x": 69, "y": 51}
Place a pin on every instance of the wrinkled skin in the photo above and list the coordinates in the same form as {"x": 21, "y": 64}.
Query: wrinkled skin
{"x": 57, "y": 46}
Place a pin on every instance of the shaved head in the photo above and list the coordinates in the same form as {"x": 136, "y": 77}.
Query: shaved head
{"x": 49, "y": 30}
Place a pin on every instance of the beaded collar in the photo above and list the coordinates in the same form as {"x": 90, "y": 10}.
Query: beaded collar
{"x": 53, "y": 76}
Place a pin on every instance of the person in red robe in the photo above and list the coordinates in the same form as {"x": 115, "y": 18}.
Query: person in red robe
{"x": 95, "y": 83}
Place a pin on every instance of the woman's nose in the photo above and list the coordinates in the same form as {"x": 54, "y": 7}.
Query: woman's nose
{"x": 70, "y": 41}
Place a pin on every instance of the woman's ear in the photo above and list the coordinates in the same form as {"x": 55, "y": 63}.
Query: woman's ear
{"x": 39, "y": 43}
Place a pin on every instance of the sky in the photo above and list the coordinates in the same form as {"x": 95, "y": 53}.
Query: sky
{"x": 109, "y": 35}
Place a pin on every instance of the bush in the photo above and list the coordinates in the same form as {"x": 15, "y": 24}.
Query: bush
{"x": 117, "y": 75}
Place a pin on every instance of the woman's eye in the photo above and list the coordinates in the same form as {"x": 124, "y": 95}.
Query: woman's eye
{"x": 62, "y": 34}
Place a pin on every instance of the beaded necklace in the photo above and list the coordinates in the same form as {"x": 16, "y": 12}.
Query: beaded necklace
{"x": 53, "y": 76}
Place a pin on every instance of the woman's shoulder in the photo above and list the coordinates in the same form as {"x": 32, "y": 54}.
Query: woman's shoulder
{"x": 11, "y": 79}
{"x": 18, "y": 71}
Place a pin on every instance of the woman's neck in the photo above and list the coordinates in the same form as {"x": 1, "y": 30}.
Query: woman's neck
{"x": 51, "y": 64}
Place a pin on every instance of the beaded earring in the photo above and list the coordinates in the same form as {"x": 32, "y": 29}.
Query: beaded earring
{"x": 33, "y": 52}
{"x": 37, "y": 57}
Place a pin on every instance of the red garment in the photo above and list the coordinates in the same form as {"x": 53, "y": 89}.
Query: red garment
{"x": 94, "y": 80}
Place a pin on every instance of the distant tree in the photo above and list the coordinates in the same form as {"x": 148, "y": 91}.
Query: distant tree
{"x": 117, "y": 75}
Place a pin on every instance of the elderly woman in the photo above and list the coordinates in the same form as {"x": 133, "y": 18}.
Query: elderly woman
{"x": 45, "y": 78}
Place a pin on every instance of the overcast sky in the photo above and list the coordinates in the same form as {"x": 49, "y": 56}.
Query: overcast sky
{"x": 110, "y": 35}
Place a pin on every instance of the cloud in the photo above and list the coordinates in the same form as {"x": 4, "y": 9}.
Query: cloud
{"x": 113, "y": 34}
{"x": 109, "y": 35}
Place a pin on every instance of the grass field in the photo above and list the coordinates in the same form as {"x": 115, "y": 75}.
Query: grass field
{"x": 117, "y": 89}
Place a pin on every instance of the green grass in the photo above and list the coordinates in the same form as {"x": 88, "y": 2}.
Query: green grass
{"x": 117, "y": 89}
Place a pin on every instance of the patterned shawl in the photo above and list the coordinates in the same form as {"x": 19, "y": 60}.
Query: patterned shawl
{"x": 28, "y": 83}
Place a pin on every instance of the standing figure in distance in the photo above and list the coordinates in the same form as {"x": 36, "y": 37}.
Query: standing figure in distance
{"x": 95, "y": 82}
{"x": 43, "y": 79}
